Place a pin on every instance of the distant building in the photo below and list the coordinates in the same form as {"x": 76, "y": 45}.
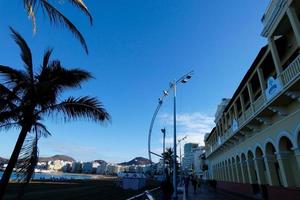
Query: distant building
{"x": 76, "y": 167}
{"x": 87, "y": 167}
{"x": 101, "y": 169}
{"x": 188, "y": 158}
{"x": 197, "y": 161}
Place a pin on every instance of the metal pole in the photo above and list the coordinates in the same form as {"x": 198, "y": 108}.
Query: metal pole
{"x": 175, "y": 145}
{"x": 164, "y": 162}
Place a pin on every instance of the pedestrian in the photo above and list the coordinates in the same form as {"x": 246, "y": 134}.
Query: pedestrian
{"x": 194, "y": 183}
{"x": 167, "y": 188}
{"x": 186, "y": 185}
{"x": 199, "y": 182}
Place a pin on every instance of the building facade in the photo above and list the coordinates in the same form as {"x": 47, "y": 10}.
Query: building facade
{"x": 256, "y": 139}
{"x": 188, "y": 158}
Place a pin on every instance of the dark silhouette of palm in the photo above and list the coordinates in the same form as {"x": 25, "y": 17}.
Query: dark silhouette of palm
{"x": 168, "y": 155}
{"x": 57, "y": 17}
{"x": 28, "y": 96}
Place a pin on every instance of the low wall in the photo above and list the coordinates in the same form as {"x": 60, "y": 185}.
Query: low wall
{"x": 279, "y": 193}
{"x": 237, "y": 188}
{"x": 260, "y": 191}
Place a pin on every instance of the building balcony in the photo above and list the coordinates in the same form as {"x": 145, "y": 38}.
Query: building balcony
{"x": 274, "y": 12}
{"x": 285, "y": 88}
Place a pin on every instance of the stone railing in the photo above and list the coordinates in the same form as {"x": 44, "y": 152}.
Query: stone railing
{"x": 291, "y": 72}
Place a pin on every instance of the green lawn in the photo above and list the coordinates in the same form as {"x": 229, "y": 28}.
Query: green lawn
{"x": 106, "y": 189}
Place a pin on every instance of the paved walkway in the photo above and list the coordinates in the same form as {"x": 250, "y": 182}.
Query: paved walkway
{"x": 207, "y": 193}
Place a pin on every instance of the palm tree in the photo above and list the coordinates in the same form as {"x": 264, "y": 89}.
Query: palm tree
{"x": 27, "y": 97}
{"x": 55, "y": 16}
{"x": 168, "y": 156}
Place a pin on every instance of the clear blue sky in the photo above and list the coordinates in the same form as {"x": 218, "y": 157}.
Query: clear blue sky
{"x": 136, "y": 47}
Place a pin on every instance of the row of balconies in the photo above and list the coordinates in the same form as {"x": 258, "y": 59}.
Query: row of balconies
{"x": 290, "y": 74}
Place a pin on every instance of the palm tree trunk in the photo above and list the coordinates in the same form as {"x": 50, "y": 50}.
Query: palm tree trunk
{"x": 13, "y": 160}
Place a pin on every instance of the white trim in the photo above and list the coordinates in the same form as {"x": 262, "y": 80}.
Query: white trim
{"x": 297, "y": 136}
{"x": 284, "y": 134}
{"x": 270, "y": 140}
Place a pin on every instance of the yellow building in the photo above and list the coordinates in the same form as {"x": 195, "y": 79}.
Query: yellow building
{"x": 256, "y": 139}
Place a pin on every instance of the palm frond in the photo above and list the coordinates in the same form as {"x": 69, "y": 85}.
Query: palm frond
{"x": 9, "y": 125}
{"x": 41, "y": 130}
{"x": 46, "y": 58}
{"x": 27, "y": 161}
{"x": 62, "y": 77}
{"x": 78, "y": 108}
{"x": 7, "y": 116}
{"x": 81, "y": 5}
{"x": 25, "y": 51}
{"x": 13, "y": 76}
{"x": 56, "y": 16}
{"x": 30, "y": 9}
{"x": 53, "y": 79}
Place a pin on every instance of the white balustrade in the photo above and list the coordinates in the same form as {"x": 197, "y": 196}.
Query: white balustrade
{"x": 292, "y": 71}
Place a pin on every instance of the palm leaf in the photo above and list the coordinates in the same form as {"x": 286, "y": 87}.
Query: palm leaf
{"x": 30, "y": 9}
{"x": 56, "y": 16}
{"x": 41, "y": 130}
{"x": 80, "y": 4}
{"x": 9, "y": 125}
{"x": 54, "y": 78}
{"x": 13, "y": 76}
{"x": 46, "y": 58}
{"x": 78, "y": 108}
{"x": 25, "y": 51}
{"x": 27, "y": 161}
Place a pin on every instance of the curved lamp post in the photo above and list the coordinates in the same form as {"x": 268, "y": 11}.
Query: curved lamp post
{"x": 173, "y": 85}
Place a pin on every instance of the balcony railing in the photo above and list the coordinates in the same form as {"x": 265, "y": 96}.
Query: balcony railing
{"x": 248, "y": 113}
{"x": 291, "y": 72}
{"x": 259, "y": 103}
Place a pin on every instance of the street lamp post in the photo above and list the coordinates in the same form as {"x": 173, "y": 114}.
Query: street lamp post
{"x": 183, "y": 79}
{"x": 173, "y": 86}
{"x": 163, "y": 130}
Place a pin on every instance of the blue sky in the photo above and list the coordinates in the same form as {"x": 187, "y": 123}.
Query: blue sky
{"x": 137, "y": 47}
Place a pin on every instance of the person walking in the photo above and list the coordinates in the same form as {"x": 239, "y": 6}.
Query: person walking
{"x": 167, "y": 188}
{"x": 186, "y": 185}
{"x": 194, "y": 183}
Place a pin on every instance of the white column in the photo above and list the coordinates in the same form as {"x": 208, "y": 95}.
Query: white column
{"x": 271, "y": 170}
{"x": 251, "y": 171}
{"x": 297, "y": 155}
{"x": 250, "y": 91}
{"x": 259, "y": 166}
{"x": 285, "y": 168}
{"x": 262, "y": 81}
{"x": 294, "y": 20}
{"x": 243, "y": 106}
{"x": 245, "y": 174}
{"x": 275, "y": 56}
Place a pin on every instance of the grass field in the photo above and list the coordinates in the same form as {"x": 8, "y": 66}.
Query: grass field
{"x": 105, "y": 189}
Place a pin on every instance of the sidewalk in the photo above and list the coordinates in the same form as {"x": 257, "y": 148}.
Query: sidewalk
{"x": 207, "y": 193}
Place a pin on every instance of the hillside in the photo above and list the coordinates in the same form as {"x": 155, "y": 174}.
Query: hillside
{"x": 57, "y": 157}
{"x": 137, "y": 161}
{"x": 3, "y": 160}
